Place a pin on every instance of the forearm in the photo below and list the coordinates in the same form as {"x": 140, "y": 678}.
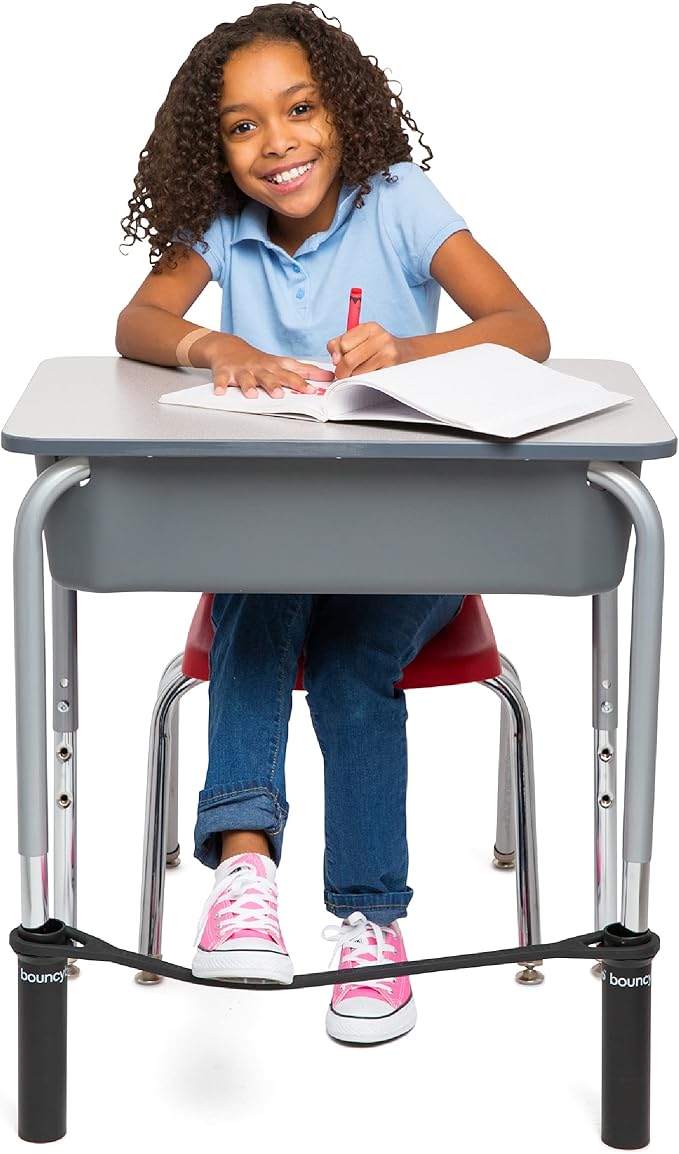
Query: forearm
{"x": 149, "y": 333}
{"x": 522, "y": 330}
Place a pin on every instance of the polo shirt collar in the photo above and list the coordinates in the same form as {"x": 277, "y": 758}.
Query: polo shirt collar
{"x": 251, "y": 224}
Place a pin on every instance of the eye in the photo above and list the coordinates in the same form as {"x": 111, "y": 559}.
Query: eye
{"x": 241, "y": 128}
{"x": 301, "y": 109}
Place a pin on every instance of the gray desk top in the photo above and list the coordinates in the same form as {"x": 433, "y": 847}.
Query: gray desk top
{"x": 107, "y": 406}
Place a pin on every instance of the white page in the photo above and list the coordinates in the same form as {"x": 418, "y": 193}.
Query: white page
{"x": 309, "y": 405}
{"x": 491, "y": 389}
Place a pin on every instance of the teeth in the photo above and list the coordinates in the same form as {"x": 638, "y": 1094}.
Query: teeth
{"x": 291, "y": 174}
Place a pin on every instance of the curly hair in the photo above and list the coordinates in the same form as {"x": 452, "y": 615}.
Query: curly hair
{"x": 181, "y": 184}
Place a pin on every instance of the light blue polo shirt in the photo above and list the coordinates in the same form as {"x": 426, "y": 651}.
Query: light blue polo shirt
{"x": 295, "y": 304}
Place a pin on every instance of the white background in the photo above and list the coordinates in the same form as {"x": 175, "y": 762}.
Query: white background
{"x": 553, "y": 134}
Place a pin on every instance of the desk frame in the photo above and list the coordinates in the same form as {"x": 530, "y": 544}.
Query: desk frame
{"x": 58, "y": 478}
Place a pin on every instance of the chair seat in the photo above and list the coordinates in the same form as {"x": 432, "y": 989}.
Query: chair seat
{"x": 463, "y": 651}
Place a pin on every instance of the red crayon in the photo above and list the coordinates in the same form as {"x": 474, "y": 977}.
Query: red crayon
{"x": 355, "y": 298}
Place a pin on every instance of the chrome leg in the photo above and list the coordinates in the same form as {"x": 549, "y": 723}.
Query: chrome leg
{"x": 527, "y": 889}
{"x": 503, "y": 850}
{"x": 157, "y": 797}
{"x": 30, "y": 682}
{"x": 65, "y": 725}
{"x": 644, "y": 676}
{"x": 172, "y": 859}
{"x": 605, "y": 724}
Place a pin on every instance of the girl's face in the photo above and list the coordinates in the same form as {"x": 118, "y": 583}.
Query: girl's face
{"x": 279, "y": 142}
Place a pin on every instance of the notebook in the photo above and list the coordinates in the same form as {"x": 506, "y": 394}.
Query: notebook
{"x": 486, "y": 389}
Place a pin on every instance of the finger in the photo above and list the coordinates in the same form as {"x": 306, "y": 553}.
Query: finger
{"x": 247, "y": 383}
{"x": 369, "y": 366}
{"x": 352, "y": 338}
{"x": 307, "y": 372}
{"x": 271, "y": 382}
{"x": 221, "y": 379}
{"x": 356, "y": 359}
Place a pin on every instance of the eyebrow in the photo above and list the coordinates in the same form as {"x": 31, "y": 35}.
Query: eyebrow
{"x": 288, "y": 92}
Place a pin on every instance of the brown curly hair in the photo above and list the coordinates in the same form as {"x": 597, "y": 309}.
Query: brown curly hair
{"x": 181, "y": 184}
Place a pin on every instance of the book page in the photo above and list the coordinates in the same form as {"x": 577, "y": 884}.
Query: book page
{"x": 487, "y": 389}
{"x": 308, "y": 405}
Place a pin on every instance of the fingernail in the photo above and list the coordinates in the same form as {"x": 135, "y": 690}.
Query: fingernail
{"x": 219, "y": 391}
{"x": 335, "y": 358}
{"x": 277, "y": 393}
{"x": 252, "y": 393}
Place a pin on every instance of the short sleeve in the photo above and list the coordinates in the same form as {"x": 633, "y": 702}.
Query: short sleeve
{"x": 416, "y": 218}
{"x": 217, "y": 255}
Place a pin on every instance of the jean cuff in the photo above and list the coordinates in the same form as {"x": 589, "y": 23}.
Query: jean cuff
{"x": 248, "y": 808}
{"x": 381, "y": 908}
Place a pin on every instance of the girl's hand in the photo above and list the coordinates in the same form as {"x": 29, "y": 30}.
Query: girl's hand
{"x": 365, "y": 348}
{"x": 235, "y": 362}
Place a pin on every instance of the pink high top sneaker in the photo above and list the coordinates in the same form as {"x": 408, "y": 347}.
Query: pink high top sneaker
{"x": 239, "y": 938}
{"x": 372, "y": 1011}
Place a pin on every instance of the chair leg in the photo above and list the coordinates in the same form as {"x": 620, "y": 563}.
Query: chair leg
{"x": 527, "y": 889}
{"x": 172, "y": 859}
{"x": 173, "y": 686}
{"x": 503, "y": 850}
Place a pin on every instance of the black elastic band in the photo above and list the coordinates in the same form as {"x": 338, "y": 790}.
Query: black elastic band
{"x": 77, "y": 944}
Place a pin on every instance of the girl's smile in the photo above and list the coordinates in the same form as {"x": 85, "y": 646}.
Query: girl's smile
{"x": 279, "y": 143}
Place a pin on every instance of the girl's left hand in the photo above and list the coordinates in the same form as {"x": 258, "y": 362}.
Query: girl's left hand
{"x": 365, "y": 348}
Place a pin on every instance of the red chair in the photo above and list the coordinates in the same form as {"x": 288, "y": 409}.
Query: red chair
{"x": 464, "y": 651}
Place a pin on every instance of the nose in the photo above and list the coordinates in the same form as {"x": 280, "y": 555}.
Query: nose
{"x": 280, "y": 137}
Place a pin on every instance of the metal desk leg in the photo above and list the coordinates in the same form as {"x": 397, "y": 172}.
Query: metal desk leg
{"x": 65, "y": 725}
{"x": 42, "y": 985}
{"x": 605, "y": 725}
{"x": 626, "y": 989}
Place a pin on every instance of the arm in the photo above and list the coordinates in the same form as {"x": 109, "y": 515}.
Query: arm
{"x": 151, "y": 326}
{"x": 498, "y": 311}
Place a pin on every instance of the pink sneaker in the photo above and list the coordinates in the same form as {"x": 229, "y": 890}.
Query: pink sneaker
{"x": 371, "y": 1011}
{"x": 239, "y": 938}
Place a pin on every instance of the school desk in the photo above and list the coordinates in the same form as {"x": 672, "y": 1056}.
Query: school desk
{"x": 132, "y": 495}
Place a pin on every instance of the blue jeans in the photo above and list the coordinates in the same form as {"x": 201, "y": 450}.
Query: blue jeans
{"x": 355, "y": 650}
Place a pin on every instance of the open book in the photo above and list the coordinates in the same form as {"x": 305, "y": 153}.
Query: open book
{"x": 485, "y": 389}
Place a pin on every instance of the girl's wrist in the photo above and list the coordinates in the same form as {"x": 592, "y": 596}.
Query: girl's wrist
{"x": 211, "y": 347}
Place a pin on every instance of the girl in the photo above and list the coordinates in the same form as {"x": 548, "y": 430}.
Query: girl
{"x": 280, "y": 165}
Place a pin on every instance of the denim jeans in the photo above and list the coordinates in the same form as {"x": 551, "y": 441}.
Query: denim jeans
{"x": 355, "y": 649}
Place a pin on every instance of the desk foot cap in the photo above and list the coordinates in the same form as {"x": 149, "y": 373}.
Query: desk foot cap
{"x": 529, "y": 976}
{"x": 144, "y": 978}
{"x": 503, "y": 861}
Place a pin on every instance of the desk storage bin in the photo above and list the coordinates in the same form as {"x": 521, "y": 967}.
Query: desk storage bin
{"x": 185, "y": 524}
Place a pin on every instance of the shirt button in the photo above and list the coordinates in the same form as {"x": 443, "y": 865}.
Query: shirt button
{"x": 296, "y": 268}
{"x": 300, "y": 294}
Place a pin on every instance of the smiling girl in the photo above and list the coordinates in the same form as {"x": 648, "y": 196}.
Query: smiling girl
{"x": 280, "y": 166}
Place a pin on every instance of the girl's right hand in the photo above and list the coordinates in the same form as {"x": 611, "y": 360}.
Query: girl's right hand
{"x": 235, "y": 362}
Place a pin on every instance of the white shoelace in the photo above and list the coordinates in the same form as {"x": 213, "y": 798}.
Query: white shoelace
{"x": 238, "y": 912}
{"x": 355, "y": 934}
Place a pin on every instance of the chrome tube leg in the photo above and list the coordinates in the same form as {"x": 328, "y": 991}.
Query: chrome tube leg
{"x": 605, "y": 725}
{"x": 527, "y": 888}
{"x": 65, "y": 725}
{"x": 625, "y": 1097}
{"x": 29, "y": 650}
{"x": 644, "y": 677}
{"x": 503, "y": 850}
{"x": 42, "y": 1020}
{"x": 172, "y": 859}
{"x": 155, "y": 828}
